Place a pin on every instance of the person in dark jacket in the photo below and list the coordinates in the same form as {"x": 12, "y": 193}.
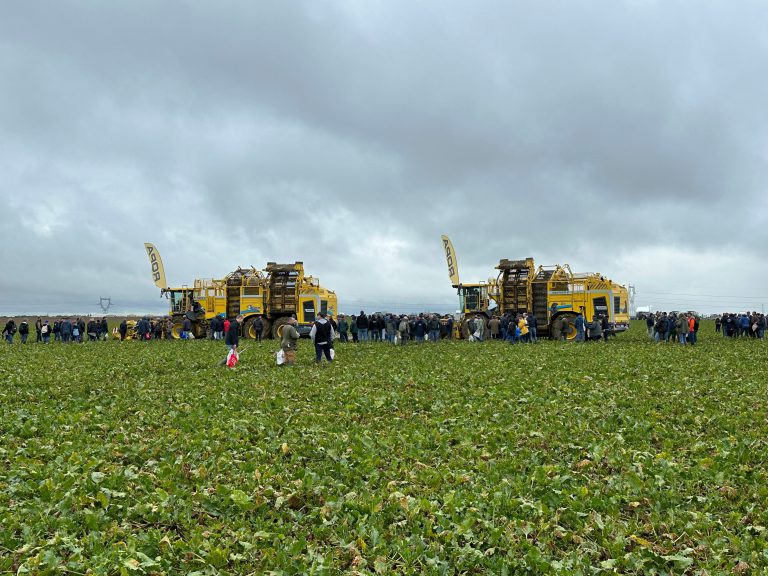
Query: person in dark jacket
{"x": 123, "y": 329}
{"x": 362, "y": 327}
{"x": 39, "y": 330}
{"x": 24, "y": 331}
{"x": 258, "y": 328}
{"x": 343, "y": 328}
{"x": 186, "y": 328}
{"x": 92, "y": 334}
{"x": 46, "y": 332}
{"x": 65, "y": 327}
{"x": 606, "y": 326}
{"x": 434, "y": 328}
{"x": 419, "y": 329}
{"x": 580, "y": 324}
{"x": 595, "y": 330}
{"x": 233, "y": 334}
{"x": 533, "y": 325}
{"x": 322, "y": 336}
{"x": 56, "y": 330}
{"x": 9, "y": 331}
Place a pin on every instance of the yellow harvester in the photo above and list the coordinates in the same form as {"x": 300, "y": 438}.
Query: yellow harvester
{"x": 274, "y": 294}
{"x": 551, "y": 293}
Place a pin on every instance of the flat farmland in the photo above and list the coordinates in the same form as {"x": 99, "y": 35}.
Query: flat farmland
{"x": 554, "y": 458}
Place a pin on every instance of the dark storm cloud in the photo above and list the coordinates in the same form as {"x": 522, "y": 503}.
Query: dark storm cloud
{"x": 350, "y": 135}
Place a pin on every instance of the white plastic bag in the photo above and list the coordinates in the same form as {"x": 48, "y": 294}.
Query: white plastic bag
{"x": 232, "y": 358}
{"x": 280, "y": 357}
{"x": 333, "y": 353}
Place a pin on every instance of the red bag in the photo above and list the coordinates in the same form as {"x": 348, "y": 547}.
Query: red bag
{"x": 232, "y": 359}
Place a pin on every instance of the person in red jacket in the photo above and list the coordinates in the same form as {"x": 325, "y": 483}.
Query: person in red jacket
{"x": 691, "y": 331}
{"x": 226, "y": 326}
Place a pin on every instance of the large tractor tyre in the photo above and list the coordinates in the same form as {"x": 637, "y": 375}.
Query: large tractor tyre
{"x": 178, "y": 324}
{"x": 570, "y": 332}
{"x": 249, "y": 331}
{"x": 277, "y": 327}
{"x": 200, "y": 330}
{"x": 464, "y": 328}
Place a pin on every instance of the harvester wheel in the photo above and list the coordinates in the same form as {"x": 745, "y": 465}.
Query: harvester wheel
{"x": 277, "y": 327}
{"x": 177, "y": 326}
{"x": 250, "y": 332}
{"x": 570, "y": 332}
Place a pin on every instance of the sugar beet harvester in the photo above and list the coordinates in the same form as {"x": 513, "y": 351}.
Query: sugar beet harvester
{"x": 274, "y": 294}
{"x": 554, "y": 294}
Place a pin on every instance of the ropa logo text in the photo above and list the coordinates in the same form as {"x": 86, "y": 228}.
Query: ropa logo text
{"x": 449, "y": 258}
{"x": 154, "y": 262}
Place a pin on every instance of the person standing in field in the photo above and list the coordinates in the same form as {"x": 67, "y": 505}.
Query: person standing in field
{"x": 494, "y": 327}
{"x": 522, "y": 324}
{"x": 65, "y": 329}
{"x": 289, "y": 339}
{"x": 343, "y": 328}
{"x": 533, "y": 327}
{"x": 9, "y": 331}
{"x": 24, "y": 331}
{"x": 402, "y": 329}
{"x": 362, "y": 327}
{"x": 258, "y": 328}
{"x": 449, "y": 328}
{"x": 681, "y": 324}
{"x": 322, "y": 337}
{"x": 692, "y": 329}
{"x": 38, "y": 330}
{"x": 46, "y": 332}
{"x": 434, "y": 328}
{"x": 580, "y": 325}
{"x": 232, "y": 338}
{"x": 56, "y": 330}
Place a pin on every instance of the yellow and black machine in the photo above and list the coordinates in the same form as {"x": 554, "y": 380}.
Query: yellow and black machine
{"x": 551, "y": 293}
{"x": 274, "y": 295}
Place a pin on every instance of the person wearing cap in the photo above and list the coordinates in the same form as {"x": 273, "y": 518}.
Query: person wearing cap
{"x": 322, "y": 336}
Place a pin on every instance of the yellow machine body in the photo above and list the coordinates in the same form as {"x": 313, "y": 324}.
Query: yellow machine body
{"x": 275, "y": 294}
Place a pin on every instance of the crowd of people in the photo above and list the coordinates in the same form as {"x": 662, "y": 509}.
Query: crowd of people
{"x": 746, "y": 325}
{"x": 675, "y": 327}
{"x": 393, "y": 328}
{"x": 61, "y": 330}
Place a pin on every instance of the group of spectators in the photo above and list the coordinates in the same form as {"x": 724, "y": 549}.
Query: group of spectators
{"x": 393, "y": 328}
{"x": 524, "y": 328}
{"x": 62, "y": 330}
{"x": 148, "y": 329}
{"x": 741, "y": 325}
{"x": 675, "y": 327}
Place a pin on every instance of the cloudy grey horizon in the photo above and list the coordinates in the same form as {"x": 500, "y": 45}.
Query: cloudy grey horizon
{"x": 626, "y": 137}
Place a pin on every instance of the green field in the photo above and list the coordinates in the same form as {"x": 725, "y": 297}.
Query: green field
{"x": 145, "y": 458}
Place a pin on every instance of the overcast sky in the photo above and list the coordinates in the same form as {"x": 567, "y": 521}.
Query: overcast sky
{"x": 628, "y": 137}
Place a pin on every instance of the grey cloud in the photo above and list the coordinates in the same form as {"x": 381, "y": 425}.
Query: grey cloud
{"x": 243, "y": 132}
